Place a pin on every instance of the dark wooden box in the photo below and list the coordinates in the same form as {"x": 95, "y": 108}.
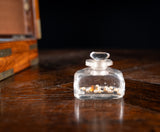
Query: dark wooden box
{"x": 19, "y": 31}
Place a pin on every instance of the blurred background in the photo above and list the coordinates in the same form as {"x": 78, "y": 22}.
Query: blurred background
{"x": 96, "y": 24}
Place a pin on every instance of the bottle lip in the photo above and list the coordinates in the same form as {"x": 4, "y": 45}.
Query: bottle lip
{"x": 99, "y": 64}
{"x": 99, "y": 55}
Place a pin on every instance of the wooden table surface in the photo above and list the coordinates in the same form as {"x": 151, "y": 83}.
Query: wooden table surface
{"x": 41, "y": 98}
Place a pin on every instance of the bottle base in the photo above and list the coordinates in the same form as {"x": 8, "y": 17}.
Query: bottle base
{"x": 97, "y": 96}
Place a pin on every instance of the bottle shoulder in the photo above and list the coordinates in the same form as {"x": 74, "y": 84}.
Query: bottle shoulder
{"x": 90, "y": 71}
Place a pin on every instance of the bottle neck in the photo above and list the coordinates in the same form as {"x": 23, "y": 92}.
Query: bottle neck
{"x": 99, "y": 64}
{"x": 99, "y": 71}
{"x": 98, "y": 68}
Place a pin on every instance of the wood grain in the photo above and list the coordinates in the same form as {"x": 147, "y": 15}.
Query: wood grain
{"x": 41, "y": 97}
{"x": 21, "y": 57}
{"x": 21, "y": 61}
{"x": 6, "y": 63}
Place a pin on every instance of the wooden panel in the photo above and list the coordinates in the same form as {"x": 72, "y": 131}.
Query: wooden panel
{"x": 37, "y": 22}
{"x": 19, "y": 17}
{"x": 33, "y": 54}
{"x": 22, "y": 46}
{"x": 21, "y": 61}
{"x": 6, "y": 63}
{"x": 12, "y": 17}
{"x": 17, "y": 55}
{"x": 19, "y": 46}
{"x": 5, "y": 46}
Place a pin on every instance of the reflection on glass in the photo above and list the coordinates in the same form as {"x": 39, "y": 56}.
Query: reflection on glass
{"x": 99, "y": 111}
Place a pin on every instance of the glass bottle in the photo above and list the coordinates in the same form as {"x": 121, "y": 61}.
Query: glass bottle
{"x": 99, "y": 80}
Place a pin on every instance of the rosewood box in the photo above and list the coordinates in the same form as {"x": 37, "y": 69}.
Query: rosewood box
{"x": 19, "y": 32}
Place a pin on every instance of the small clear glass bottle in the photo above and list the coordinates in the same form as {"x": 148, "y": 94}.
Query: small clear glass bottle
{"x": 98, "y": 80}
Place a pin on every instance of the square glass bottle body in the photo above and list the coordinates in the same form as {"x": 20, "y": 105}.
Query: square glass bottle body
{"x": 99, "y": 84}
